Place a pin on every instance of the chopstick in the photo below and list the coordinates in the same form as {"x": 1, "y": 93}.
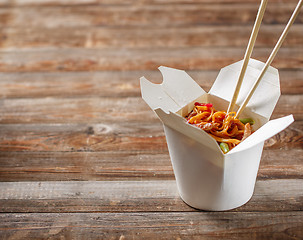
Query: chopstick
{"x": 271, "y": 57}
{"x": 248, "y": 53}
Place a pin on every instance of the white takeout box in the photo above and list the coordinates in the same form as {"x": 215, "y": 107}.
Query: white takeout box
{"x": 206, "y": 178}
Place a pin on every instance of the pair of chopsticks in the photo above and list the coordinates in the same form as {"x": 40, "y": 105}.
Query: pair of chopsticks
{"x": 249, "y": 50}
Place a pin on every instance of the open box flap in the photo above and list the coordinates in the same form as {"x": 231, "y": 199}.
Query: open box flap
{"x": 175, "y": 92}
{"x": 266, "y": 95}
{"x": 265, "y": 132}
{"x": 178, "y": 123}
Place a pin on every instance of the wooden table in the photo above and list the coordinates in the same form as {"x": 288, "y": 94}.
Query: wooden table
{"x": 83, "y": 157}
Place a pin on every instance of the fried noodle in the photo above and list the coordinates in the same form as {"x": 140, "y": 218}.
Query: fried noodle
{"x": 222, "y": 126}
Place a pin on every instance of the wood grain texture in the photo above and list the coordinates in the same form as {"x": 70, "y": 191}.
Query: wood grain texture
{"x": 124, "y": 166}
{"x": 105, "y": 110}
{"x": 83, "y": 137}
{"x": 110, "y": 83}
{"x": 83, "y": 157}
{"x": 9, "y": 3}
{"x": 144, "y": 15}
{"x": 195, "y": 225}
{"x": 140, "y": 37}
{"x": 138, "y": 59}
{"x": 110, "y": 137}
{"x": 133, "y": 196}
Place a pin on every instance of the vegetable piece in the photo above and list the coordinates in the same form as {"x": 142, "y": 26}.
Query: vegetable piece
{"x": 247, "y": 120}
{"x": 208, "y": 105}
{"x": 224, "y": 147}
{"x": 203, "y": 104}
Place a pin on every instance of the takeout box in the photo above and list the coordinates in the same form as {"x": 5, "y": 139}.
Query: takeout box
{"x": 206, "y": 178}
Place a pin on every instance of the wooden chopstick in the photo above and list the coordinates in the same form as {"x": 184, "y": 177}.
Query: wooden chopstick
{"x": 248, "y": 52}
{"x": 271, "y": 57}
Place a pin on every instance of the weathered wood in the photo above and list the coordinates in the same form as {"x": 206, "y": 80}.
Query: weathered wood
{"x": 278, "y": 163}
{"x": 135, "y": 196}
{"x": 104, "y": 110}
{"x": 9, "y": 3}
{"x": 71, "y": 115}
{"x": 172, "y": 225}
{"x": 138, "y": 59}
{"x": 63, "y": 166}
{"x": 68, "y": 110}
{"x": 135, "y": 37}
{"x": 110, "y": 137}
{"x": 82, "y": 137}
{"x": 144, "y": 15}
{"x": 110, "y": 83}
{"x": 79, "y": 166}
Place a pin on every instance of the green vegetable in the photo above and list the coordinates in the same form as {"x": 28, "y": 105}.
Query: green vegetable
{"x": 224, "y": 147}
{"x": 247, "y": 120}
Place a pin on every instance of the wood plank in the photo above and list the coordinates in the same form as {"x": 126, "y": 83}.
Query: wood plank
{"x": 195, "y": 225}
{"x": 110, "y": 137}
{"x": 9, "y": 3}
{"x": 144, "y": 15}
{"x": 153, "y": 225}
{"x": 138, "y": 59}
{"x": 100, "y": 166}
{"x": 133, "y": 196}
{"x": 105, "y": 110}
{"x": 82, "y": 137}
{"x": 278, "y": 163}
{"x": 110, "y": 83}
{"x": 64, "y": 166}
{"x": 68, "y": 110}
{"x": 138, "y": 37}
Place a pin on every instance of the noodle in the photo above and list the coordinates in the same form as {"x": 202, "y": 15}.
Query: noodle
{"x": 222, "y": 126}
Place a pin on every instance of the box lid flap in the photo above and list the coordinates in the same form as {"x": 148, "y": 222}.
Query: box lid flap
{"x": 175, "y": 92}
{"x": 266, "y": 95}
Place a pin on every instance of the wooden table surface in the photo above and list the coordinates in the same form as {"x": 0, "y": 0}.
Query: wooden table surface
{"x": 81, "y": 154}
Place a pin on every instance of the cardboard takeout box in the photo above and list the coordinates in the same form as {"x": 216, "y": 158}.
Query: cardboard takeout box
{"x": 206, "y": 178}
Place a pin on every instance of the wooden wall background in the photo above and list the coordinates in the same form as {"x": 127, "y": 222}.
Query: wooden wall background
{"x": 83, "y": 157}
